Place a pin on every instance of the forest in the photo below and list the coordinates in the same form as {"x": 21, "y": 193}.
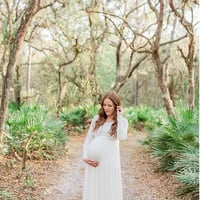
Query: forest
{"x": 58, "y": 58}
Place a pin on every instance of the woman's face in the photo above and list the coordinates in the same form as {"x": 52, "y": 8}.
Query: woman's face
{"x": 109, "y": 107}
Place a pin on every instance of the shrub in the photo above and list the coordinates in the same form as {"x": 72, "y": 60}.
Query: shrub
{"x": 34, "y": 124}
{"x": 187, "y": 167}
{"x": 176, "y": 146}
{"x": 131, "y": 114}
{"x": 144, "y": 117}
{"x": 91, "y": 110}
{"x": 74, "y": 117}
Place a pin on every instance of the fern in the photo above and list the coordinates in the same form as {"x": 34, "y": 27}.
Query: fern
{"x": 176, "y": 146}
{"x": 29, "y": 119}
{"x": 74, "y": 117}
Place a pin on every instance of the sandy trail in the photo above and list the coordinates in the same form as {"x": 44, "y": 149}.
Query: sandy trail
{"x": 64, "y": 181}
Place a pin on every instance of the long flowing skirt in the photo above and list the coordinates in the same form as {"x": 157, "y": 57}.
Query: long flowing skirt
{"x": 104, "y": 181}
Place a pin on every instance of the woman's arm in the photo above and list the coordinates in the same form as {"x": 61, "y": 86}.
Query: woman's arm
{"x": 89, "y": 137}
{"x": 122, "y": 125}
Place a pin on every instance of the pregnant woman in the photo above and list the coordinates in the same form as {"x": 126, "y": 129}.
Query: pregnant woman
{"x": 101, "y": 151}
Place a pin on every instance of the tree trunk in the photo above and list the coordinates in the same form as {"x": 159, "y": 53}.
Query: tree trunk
{"x": 136, "y": 92}
{"x": 162, "y": 82}
{"x": 32, "y": 9}
{"x": 61, "y": 92}
{"x": 161, "y": 70}
{"x": 62, "y": 84}
{"x": 171, "y": 87}
{"x": 17, "y": 87}
{"x": 95, "y": 44}
{"x": 58, "y": 103}
{"x": 165, "y": 93}
{"x": 191, "y": 91}
{"x": 28, "y": 74}
{"x": 189, "y": 58}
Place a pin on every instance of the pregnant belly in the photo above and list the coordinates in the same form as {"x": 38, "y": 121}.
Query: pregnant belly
{"x": 97, "y": 148}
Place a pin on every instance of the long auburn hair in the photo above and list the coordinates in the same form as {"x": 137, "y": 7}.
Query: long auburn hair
{"x": 113, "y": 96}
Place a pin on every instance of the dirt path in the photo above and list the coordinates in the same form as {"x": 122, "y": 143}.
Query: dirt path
{"x": 64, "y": 180}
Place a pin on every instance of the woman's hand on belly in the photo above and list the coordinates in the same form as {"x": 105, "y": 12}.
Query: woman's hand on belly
{"x": 91, "y": 162}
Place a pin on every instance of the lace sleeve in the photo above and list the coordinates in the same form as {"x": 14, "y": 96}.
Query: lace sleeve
{"x": 122, "y": 127}
{"x": 89, "y": 137}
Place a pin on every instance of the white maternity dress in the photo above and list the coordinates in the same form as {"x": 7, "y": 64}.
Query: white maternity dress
{"x": 104, "y": 182}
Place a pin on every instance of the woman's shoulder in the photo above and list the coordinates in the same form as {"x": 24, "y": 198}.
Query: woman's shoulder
{"x": 122, "y": 118}
{"x": 95, "y": 118}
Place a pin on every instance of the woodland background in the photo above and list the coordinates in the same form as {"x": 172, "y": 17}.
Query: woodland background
{"x": 73, "y": 52}
{"x": 58, "y": 57}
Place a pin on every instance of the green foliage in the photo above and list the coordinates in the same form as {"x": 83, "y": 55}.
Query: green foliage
{"x": 187, "y": 167}
{"x": 29, "y": 181}
{"x": 74, "y": 117}
{"x": 131, "y": 114}
{"x": 5, "y": 195}
{"x": 150, "y": 118}
{"x": 34, "y": 121}
{"x": 13, "y": 107}
{"x": 176, "y": 146}
{"x": 91, "y": 110}
{"x": 143, "y": 114}
{"x": 78, "y": 118}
